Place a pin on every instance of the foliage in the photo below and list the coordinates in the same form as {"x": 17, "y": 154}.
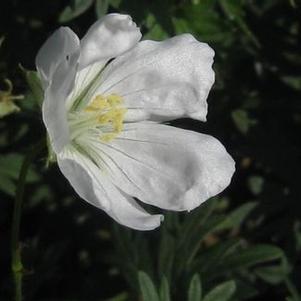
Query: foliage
{"x": 201, "y": 245}
{"x": 242, "y": 245}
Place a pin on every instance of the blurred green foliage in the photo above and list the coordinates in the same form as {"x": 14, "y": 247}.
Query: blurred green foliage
{"x": 242, "y": 245}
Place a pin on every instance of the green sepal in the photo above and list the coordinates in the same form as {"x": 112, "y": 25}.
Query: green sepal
{"x": 51, "y": 157}
{"x": 34, "y": 84}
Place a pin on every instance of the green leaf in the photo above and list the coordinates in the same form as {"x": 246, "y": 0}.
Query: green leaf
{"x": 148, "y": 290}
{"x": 242, "y": 120}
{"x": 1, "y": 40}
{"x": 180, "y": 25}
{"x": 255, "y": 184}
{"x": 155, "y": 29}
{"x": 10, "y": 166}
{"x": 195, "y": 220}
{"x": 74, "y": 10}
{"x": 222, "y": 292}
{"x": 119, "y": 297}
{"x": 195, "y": 227}
{"x": 164, "y": 290}
{"x": 208, "y": 228}
{"x": 234, "y": 10}
{"x": 245, "y": 290}
{"x": 215, "y": 223}
{"x": 195, "y": 289}
{"x": 236, "y": 217}
{"x": 212, "y": 256}
{"x": 205, "y": 21}
{"x": 115, "y": 3}
{"x": 273, "y": 274}
{"x": 101, "y": 8}
{"x": 293, "y": 4}
{"x": 144, "y": 256}
{"x": 123, "y": 238}
{"x": 293, "y": 81}
{"x": 166, "y": 254}
{"x": 9, "y": 172}
{"x": 7, "y": 185}
{"x": 253, "y": 255}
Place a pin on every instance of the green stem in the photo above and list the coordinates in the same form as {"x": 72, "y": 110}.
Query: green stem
{"x": 292, "y": 289}
{"x": 16, "y": 264}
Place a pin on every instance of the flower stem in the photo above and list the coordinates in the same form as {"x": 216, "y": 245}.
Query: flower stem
{"x": 16, "y": 264}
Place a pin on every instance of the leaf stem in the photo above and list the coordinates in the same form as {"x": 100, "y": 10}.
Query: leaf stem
{"x": 16, "y": 263}
{"x": 292, "y": 289}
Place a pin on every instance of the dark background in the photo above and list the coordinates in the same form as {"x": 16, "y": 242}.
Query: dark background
{"x": 73, "y": 251}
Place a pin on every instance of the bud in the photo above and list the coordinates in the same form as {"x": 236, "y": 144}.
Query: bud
{"x": 7, "y": 104}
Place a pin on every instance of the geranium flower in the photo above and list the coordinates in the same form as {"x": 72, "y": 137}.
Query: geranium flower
{"x": 103, "y": 119}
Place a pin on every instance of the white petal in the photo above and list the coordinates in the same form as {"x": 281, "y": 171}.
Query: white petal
{"x": 107, "y": 38}
{"x": 165, "y": 166}
{"x": 85, "y": 80}
{"x": 91, "y": 185}
{"x": 57, "y": 64}
{"x": 63, "y": 42}
{"x": 162, "y": 80}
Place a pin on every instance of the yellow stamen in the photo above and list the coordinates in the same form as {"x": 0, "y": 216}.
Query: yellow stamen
{"x": 110, "y": 113}
{"x": 97, "y": 104}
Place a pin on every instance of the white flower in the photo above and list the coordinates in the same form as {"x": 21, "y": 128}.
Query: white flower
{"x": 103, "y": 117}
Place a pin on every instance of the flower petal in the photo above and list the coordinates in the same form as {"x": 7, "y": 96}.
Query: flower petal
{"x": 85, "y": 80}
{"x": 63, "y": 42}
{"x": 107, "y": 38}
{"x": 57, "y": 64}
{"x": 165, "y": 166}
{"x": 91, "y": 185}
{"x": 162, "y": 80}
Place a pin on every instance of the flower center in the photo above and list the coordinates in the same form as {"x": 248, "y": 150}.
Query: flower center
{"x": 104, "y": 114}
